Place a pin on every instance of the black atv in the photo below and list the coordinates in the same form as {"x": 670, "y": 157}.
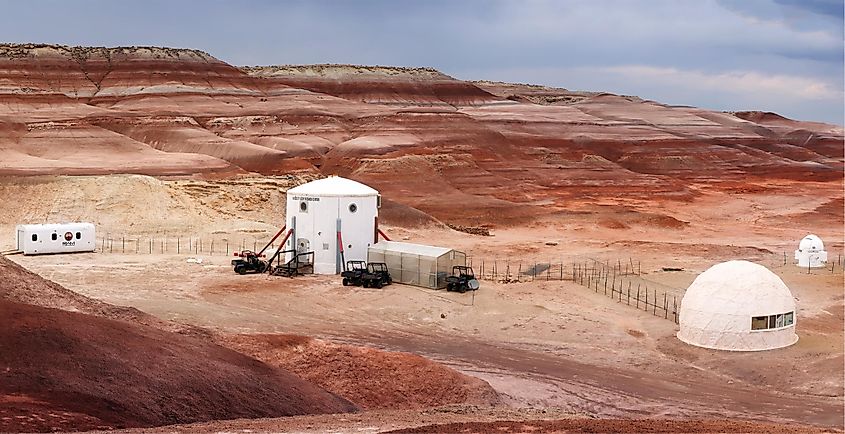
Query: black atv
{"x": 248, "y": 262}
{"x": 355, "y": 270}
{"x": 462, "y": 280}
{"x": 376, "y": 276}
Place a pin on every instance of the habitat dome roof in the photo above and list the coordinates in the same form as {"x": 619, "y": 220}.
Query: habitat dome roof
{"x": 334, "y": 186}
{"x": 811, "y": 243}
{"x": 718, "y": 307}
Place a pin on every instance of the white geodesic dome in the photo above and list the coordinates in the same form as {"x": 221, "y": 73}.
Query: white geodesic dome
{"x": 738, "y": 306}
{"x": 811, "y": 252}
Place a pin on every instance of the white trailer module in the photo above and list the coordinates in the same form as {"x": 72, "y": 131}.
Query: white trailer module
{"x": 49, "y": 238}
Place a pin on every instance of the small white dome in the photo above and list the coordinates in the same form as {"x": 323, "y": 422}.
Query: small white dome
{"x": 725, "y": 305}
{"x": 811, "y": 243}
{"x": 334, "y": 186}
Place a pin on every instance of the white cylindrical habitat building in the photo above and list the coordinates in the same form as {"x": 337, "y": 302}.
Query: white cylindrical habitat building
{"x": 738, "y": 306}
{"x": 323, "y": 212}
{"x": 811, "y": 252}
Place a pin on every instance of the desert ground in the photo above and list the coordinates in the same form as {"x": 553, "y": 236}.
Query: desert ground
{"x": 543, "y": 345}
{"x": 178, "y": 174}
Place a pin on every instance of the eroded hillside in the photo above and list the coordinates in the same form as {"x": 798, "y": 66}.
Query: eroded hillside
{"x": 504, "y": 150}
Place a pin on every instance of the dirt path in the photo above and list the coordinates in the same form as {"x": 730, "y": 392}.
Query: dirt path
{"x": 609, "y": 392}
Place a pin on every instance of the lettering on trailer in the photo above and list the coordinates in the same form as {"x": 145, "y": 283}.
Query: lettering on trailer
{"x": 306, "y": 198}
{"x": 68, "y": 240}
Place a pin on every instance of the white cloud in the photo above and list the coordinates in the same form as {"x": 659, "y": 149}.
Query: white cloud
{"x": 738, "y": 82}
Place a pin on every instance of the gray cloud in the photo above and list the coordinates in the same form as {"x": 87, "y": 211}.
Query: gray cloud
{"x": 609, "y": 45}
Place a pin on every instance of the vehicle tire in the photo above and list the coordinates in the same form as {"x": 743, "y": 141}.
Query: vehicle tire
{"x": 240, "y": 269}
{"x": 366, "y": 284}
{"x": 462, "y": 289}
{"x": 378, "y": 285}
{"x": 448, "y": 287}
{"x": 345, "y": 282}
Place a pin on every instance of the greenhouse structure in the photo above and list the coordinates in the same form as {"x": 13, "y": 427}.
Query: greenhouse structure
{"x": 416, "y": 264}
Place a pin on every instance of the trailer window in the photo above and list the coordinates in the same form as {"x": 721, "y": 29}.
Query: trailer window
{"x": 353, "y": 208}
{"x": 34, "y": 237}
{"x": 303, "y": 206}
{"x": 54, "y": 237}
{"x": 78, "y": 235}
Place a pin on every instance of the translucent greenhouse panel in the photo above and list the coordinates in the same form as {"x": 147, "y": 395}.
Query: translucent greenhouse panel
{"x": 410, "y": 269}
{"x": 428, "y": 271}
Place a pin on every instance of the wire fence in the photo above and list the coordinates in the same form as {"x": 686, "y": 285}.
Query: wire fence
{"x": 620, "y": 279}
{"x": 777, "y": 261}
{"x": 623, "y": 279}
{"x": 191, "y": 245}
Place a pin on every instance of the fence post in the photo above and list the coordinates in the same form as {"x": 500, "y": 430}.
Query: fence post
{"x": 613, "y": 283}
{"x": 654, "y": 312}
{"x": 151, "y": 245}
{"x": 621, "y": 286}
{"x": 605, "y": 281}
{"x": 638, "y": 295}
{"x": 639, "y": 268}
{"x": 212, "y": 250}
{"x": 665, "y": 306}
{"x": 629, "y": 293}
{"x": 675, "y": 307}
{"x": 138, "y": 245}
{"x": 227, "y": 247}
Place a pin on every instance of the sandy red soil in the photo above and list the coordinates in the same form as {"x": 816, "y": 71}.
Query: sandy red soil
{"x": 94, "y": 371}
{"x": 370, "y": 378}
{"x": 610, "y": 425}
{"x": 81, "y": 364}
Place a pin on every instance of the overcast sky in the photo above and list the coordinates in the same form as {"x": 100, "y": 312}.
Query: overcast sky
{"x": 784, "y": 56}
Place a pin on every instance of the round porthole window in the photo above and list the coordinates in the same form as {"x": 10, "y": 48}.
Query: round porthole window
{"x": 353, "y": 207}
{"x": 303, "y": 206}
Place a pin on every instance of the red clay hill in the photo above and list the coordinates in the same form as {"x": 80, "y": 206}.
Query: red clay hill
{"x": 500, "y": 149}
{"x": 69, "y": 362}
{"x": 63, "y": 370}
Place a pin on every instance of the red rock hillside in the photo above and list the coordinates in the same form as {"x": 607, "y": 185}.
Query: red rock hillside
{"x": 500, "y": 150}
{"x": 66, "y": 371}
